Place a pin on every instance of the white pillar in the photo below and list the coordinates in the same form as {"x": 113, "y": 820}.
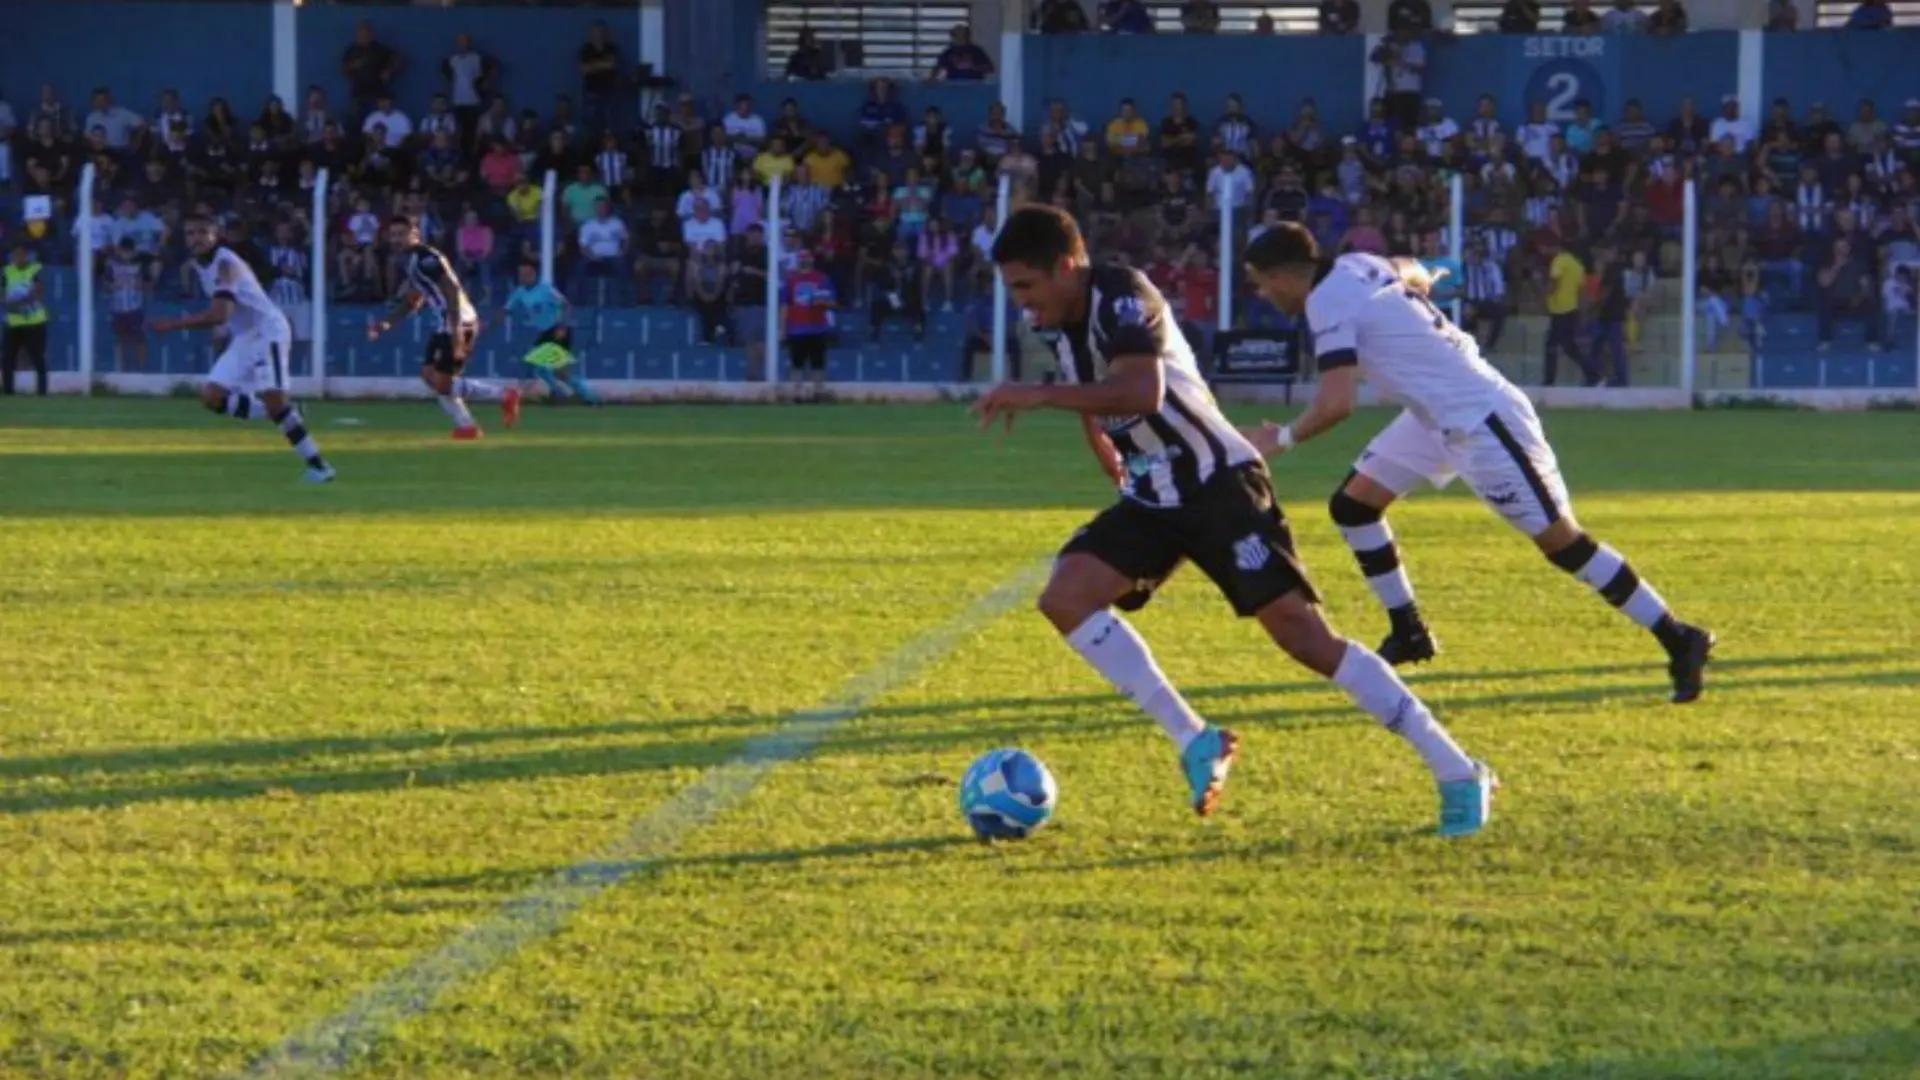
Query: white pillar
{"x": 1689, "y": 285}
{"x": 286, "y": 54}
{"x": 1002, "y": 202}
{"x": 1013, "y": 82}
{"x": 1752, "y": 77}
{"x": 88, "y": 295}
{"x": 653, "y": 35}
{"x": 318, "y": 293}
{"x": 775, "y": 231}
{"x": 549, "y": 224}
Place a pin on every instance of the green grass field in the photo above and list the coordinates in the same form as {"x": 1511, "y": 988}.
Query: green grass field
{"x": 261, "y": 745}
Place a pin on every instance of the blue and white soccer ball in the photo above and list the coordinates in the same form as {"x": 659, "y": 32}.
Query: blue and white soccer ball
{"x": 1007, "y": 795}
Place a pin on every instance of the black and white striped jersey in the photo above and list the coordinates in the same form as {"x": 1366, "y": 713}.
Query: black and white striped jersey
{"x": 431, "y": 274}
{"x": 1170, "y": 454}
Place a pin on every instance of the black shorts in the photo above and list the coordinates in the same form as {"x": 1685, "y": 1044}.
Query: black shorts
{"x": 447, "y": 351}
{"x": 807, "y": 352}
{"x": 1234, "y": 531}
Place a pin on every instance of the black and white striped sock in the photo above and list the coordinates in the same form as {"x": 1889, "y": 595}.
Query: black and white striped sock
{"x": 1608, "y": 573}
{"x": 294, "y": 427}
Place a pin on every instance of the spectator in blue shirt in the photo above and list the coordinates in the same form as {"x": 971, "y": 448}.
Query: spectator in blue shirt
{"x": 962, "y": 60}
{"x": 1871, "y": 15}
{"x": 881, "y": 110}
{"x": 1126, "y": 17}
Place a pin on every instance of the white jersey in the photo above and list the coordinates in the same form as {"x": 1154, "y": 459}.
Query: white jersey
{"x": 1169, "y": 455}
{"x": 226, "y": 275}
{"x": 1361, "y": 313}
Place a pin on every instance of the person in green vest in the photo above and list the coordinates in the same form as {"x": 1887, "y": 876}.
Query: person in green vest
{"x": 26, "y": 312}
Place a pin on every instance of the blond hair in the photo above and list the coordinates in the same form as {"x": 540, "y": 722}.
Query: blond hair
{"x": 1416, "y": 276}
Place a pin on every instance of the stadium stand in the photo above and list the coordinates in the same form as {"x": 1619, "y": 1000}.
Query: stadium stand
{"x": 1809, "y": 213}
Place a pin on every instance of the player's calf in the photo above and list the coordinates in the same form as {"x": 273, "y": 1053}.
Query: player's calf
{"x": 1078, "y": 602}
{"x": 286, "y": 416}
{"x": 1608, "y": 573}
{"x": 1358, "y": 509}
{"x": 1297, "y": 626}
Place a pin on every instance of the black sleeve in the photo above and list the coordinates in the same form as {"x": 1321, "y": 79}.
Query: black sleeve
{"x": 1133, "y": 319}
{"x": 428, "y": 260}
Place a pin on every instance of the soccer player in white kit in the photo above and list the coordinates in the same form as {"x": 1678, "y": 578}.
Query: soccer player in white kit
{"x": 1372, "y": 317}
{"x": 250, "y": 377}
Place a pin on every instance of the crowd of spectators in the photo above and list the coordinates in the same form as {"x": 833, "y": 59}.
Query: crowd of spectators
{"x": 1799, "y": 210}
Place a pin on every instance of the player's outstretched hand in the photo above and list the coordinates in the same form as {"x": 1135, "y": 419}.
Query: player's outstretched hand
{"x": 1008, "y": 400}
{"x": 165, "y": 326}
{"x": 1265, "y": 438}
{"x": 374, "y": 330}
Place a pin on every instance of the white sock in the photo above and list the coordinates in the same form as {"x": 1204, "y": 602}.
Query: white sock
{"x": 1608, "y": 574}
{"x": 1379, "y": 560}
{"x": 473, "y": 388}
{"x": 456, "y": 409}
{"x": 1117, "y": 652}
{"x": 1373, "y": 686}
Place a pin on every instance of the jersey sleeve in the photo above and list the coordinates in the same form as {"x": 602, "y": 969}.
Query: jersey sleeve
{"x": 1132, "y": 321}
{"x": 1330, "y": 322}
{"x": 226, "y": 277}
{"x": 429, "y": 263}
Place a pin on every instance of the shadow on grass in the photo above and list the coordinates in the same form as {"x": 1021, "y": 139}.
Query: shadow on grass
{"x": 76, "y": 785}
{"x": 155, "y": 929}
{"x": 1888, "y": 1053}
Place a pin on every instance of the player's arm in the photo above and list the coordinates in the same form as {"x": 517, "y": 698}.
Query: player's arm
{"x": 1103, "y": 448}
{"x": 1135, "y": 384}
{"x": 399, "y": 309}
{"x": 1135, "y": 330}
{"x": 1336, "y": 349}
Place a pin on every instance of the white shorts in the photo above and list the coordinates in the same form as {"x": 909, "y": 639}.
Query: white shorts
{"x": 1505, "y": 459}
{"x": 254, "y": 363}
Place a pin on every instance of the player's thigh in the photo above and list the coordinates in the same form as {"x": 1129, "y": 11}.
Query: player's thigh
{"x": 1238, "y": 536}
{"x": 273, "y": 364}
{"x": 1120, "y": 557}
{"x": 1508, "y": 463}
{"x": 1405, "y": 454}
{"x": 234, "y": 367}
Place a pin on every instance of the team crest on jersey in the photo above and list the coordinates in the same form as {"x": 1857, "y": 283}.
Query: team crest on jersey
{"x": 1129, "y": 311}
{"x": 1251, "y": 553}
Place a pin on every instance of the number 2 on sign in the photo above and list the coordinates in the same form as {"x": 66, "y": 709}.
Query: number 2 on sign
{"x": 1564, "y": 88}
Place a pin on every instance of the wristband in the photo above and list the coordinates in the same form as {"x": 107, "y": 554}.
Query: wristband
{"x": 1284, "y": 440}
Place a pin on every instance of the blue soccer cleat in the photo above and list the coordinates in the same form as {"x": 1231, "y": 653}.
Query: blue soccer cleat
{"x": 1206, "y": 761}
{"x": 1465, "y": 805}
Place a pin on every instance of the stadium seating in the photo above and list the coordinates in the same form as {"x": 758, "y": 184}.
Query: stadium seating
{"x": 624, "y": 334}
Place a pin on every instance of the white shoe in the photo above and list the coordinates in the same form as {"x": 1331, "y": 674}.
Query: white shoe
{"x": 322, "y": 475}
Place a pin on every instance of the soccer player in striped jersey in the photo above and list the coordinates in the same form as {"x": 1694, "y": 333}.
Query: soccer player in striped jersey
{"x": 429, "y": 283}
{"x": 1373, "y": 317}
{"x": 1192, "y": 488}
{"x": 250, "y": 377}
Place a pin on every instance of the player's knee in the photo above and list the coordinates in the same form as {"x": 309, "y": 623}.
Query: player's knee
{"x": 213, "y": 396}
{"x": 1069, "y": 600}
{"x": 1571, "y": 553}
{"x": 1349, "y": 512}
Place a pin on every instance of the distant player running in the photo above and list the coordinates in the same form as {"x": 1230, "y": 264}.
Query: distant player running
{"x": 428, "y": 281}
{"x": 250, "y": 377}
{"x": 1191, "y": 488}
{"x": 1372, "y": 317}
